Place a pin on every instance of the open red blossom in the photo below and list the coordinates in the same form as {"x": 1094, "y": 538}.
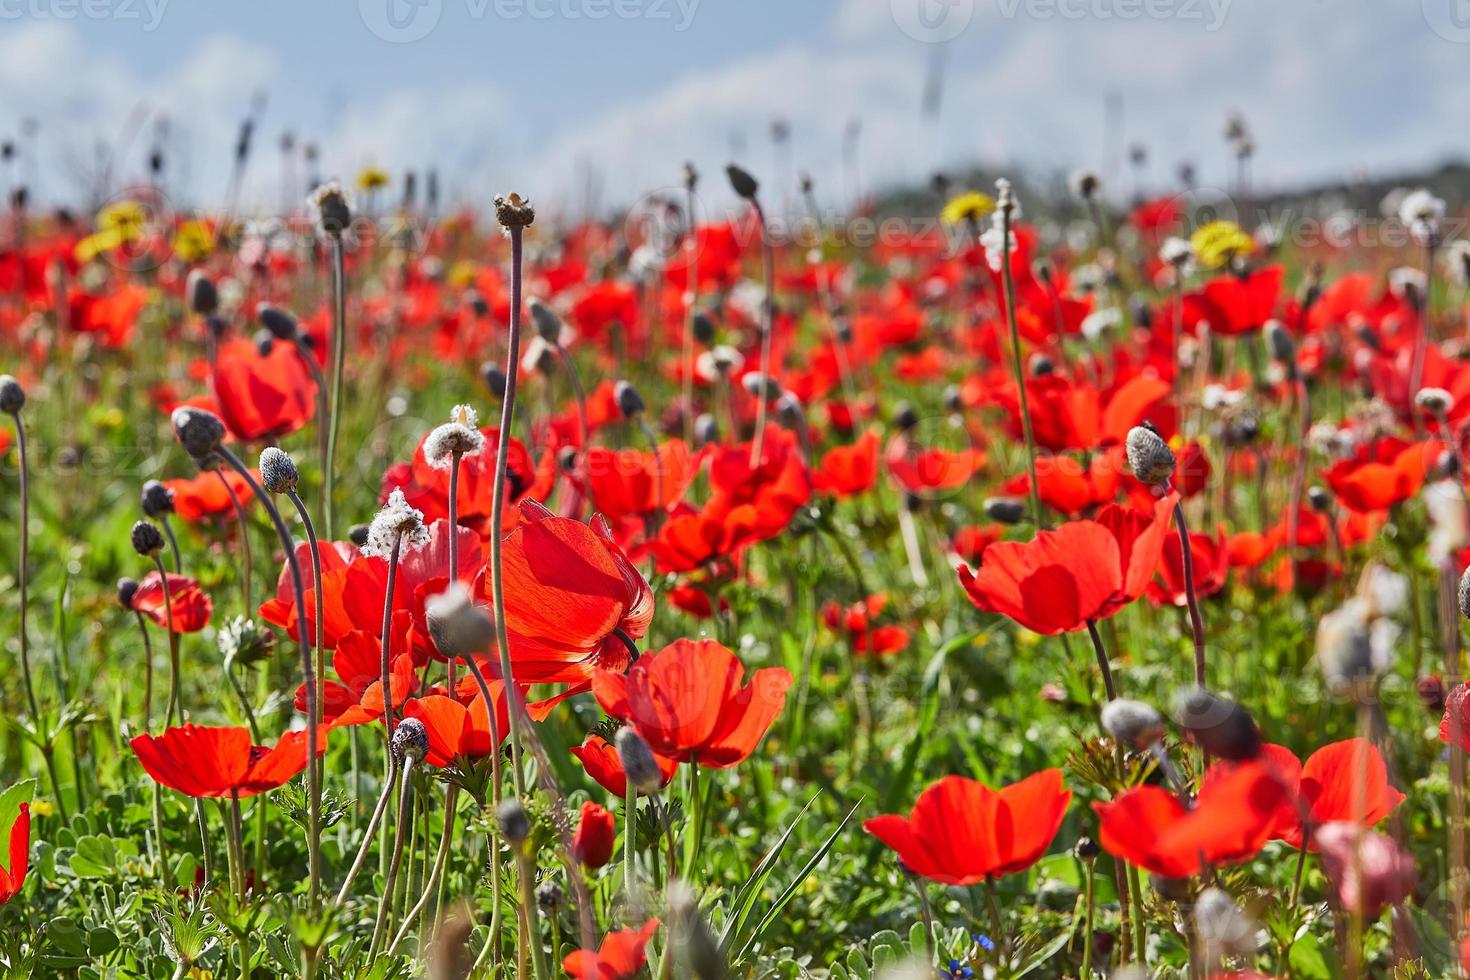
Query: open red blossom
{"x": 969, "y": 542}
{"x": 1066, "y": 485}
{"x": 426, "y": 488}
{"x": 569, "y": 591}
{"x": 1381, "y": 474}
{"x": 459, "y": 732}
{"x": 688, "y": 702}
{"x": 1455, "y": 725}
{"x": 1328, "y": 786}
{"x": 962, "y": 832}
{"x": 846, "y": 471}
{"x": 14, "y": 876}
{"x": 929, "y": 470}
{"x": 631, "y": 483}
{"x": 262, "y": 395}
{"x": 189, "y": 605}
{"x": 1241, "y": 304}
{"x": 1082, "y": 570}
{"x": 356, "y": 698}
{"x": 207, "y": 495}
{"x": 1211, "y": 567}
{"x": 601, "y": 760}
{"x": 198, "y": 760}
{"x": 1233, "y": 818}
{"x": 620, "y": 957}
{"x": 592, "y": 844}
{"x": 866, "y": 636}
{"x": 756, "y": 503}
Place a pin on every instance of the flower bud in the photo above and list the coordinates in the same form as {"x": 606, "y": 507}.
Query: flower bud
{"x": 1279, "y": 343}
{"x": 264, "y": 341}
{"x": 514, "y": 822}
{"x": 279, "y": 322}
{"x": 592, "y": 844}
{"x": 1086, "y": 849}
{"x": 410, "y": 740}
{"x": 704, "y": 328}
{"x": 1005, "y": 510}
{"x": 12, "y": 395}
{"x": 126, "y": 589}
{"x": 550, "y": 898}
{"x": 706, "y": 430}
{"x": 954, "y": 401}
{"x": 1134, "y": 723}
{"x": 639, "y": 765}
{"x": 1149, "y": 456}
{"x": 157, "y": 499}
{"x": 1041, "y": 365}
{"x": 630, "y": 403}
{"x": 203, "y": 296}
{"x": 1367, "y": 870}
{"x": 741, "y": 182}
{"x": 699, "y": 950}
{"x": 198, "y": 431}
{"x": 278, "y": 472}
{"x": 1319, "y": 499}
{"x": 1435, "y": 401}
{"x": 458, "y": 627}
{"x": 494, "y": 378}
{"x": 1431, "y": 693}
{"x": 147, "y": 539}
{"x": 548, "y": 324}
{"x": 1222, "y": 728}
{"x": 762, "y": 386}
{"x": 475, "y": 300}
{"x": 904, "y": 416}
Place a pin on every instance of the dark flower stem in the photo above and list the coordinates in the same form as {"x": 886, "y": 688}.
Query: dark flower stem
{"x": 1196, "y": 621}
{"x": 453, "y": 575}
{"x": 691, "y": 306}
{"x": 1009, "y": 283}
{"x": 170, "y": 715}
{"x": 1299, "y": 479}
{"x": 23, "y": 574}
{"x": 339, "y": 358}
{"x": 173, "y": 542}
{"x": 768, "y": 329}
{"x": 368, "y": 834}
{"x": 1102, "y": 660}
{"x": 245, "y": 555}
{"x": 451, "y": 797}
{"x": 401, "y": 832}
{"x": 320, "y": 600}
{"x": 389, "y": 722}
{"x": 313, "y": 775}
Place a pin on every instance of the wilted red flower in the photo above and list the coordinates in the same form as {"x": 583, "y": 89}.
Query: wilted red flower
{"x": 1328, "y": 786}
{"x": 1083, "y": 570}
{"x": 199, "y": 760}
{"x": 459, "y": 732}
{"x": 1211, "y": 567}
{"x": 846, "y": 471}
{"x": 620, "y": 957}
{"x": 1231, "y": 821}
{"x": 962, "y": 832}
{"x": 601, "y": 760}
{"x": 262, "y": 396}
{"x": 688, "y": 703}
{"x": 1381, "y": 474}
{"x": 569, "y": 592}
{"x": 592, "y": 844}
{"x": 13, "y": 877}
{"x": 189, "y": 604}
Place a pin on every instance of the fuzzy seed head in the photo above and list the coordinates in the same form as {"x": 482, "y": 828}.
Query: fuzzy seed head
{"x": 396, "y": 524}
{"x": 1223, "y": 728}
{"x": 1435, "y": 401}
{"x": 513, "y": 211}
{"x": 548, "y": 324}
{"x": 460, "y": 435}
{"x": 147, "y": 539}
{"x": 638, "y": 762}
{"x": 458, "y": 627}
{"x": 1134, "y": 723}
{"x": 1149, "y": 456}
{"x": 410, "y": 740}
{"x": 126, "y": 589}
{"x": 332, "y": 207}
{"x": 157, "y": 499}
{"x": 494, "y": 377}
{"x": 761, "y": 386}
{"x": 630, "y": 403}
{"x": 278, "y": 473}
{"x": 515, "y": 823}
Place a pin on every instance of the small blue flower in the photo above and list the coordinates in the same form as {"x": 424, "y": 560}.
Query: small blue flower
{"x": 983, "y": 941}
{"x": 957, "y": 971}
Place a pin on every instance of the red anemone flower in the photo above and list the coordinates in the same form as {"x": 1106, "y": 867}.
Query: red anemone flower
{"x": 1328, "y": 786}
{"x": 569, "y": 591}
{"x": 688, "y": 703}
{"x": 356, "y": 697}
{"x": 13, "y": 877}
{"x": 262, "y": 395}
{"x": 620, "y": 957}
{"x": 197, "y": 760}
{"x": 1381, "y": 474}
{"x": 865, "y": 636}
{"x": 189, "y": 605}
{"x": 1083, "y": 570}
{"x": 601, "y": 760}
{"x": 1231, "y": 821}
{"x": 631, "y": 483}
{"x": 846, "y": 471}
{"x": 962, "y": 832}
{"x": 1211, "y": 567}
{"x": 426, "y": 488}
{"x": 206, "y": 495}
{"x": 592, "y": 844}
{"x": 459, "y": 732}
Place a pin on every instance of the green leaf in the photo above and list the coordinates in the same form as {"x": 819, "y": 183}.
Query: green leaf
{"x": 1309, "y": 961}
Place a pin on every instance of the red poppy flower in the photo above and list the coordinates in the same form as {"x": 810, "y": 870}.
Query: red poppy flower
{"x": 197, "y": 760}
{"x": 592, "y": 844}
{"x": 601, "y": 760}
{"x": 262, "y": 395}
{"x": 1382, "y": 474}
{"x": 1147, "y": 826}
{"x": 1083, "y": 570}
{"x": 426, "y": 488}
{"x": 756, "y": 503}
{"x": 1328, "y": 786}
{"x": 865, "y": 636}
{"x": 1247, "y": 549}
{"x": 927, "y": 471}
{"x": 688, "y": 703}
{"x": 569, "y": 591}
{"x": 620, "y": 957}
{"x": 205, "y": 495}
{"x": 1241, "y": 304}
{"x": 356, "y": 697}
{"x": 459, "y": 732}
{"x": 631, "y": 483}
{"x": 962, "y": 832}
{"x": 603, "y": 306}
{"x": 1211, "y": 567}
{"x": 969, "y": 542}
{"x": 1065, "y": 485}
{"x": 13, "y": 877}
{"x": 189, "y": 604}
{"x": 846, "y": 471}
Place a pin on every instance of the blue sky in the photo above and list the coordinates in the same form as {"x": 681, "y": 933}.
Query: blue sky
{"x": 533, "y": 93}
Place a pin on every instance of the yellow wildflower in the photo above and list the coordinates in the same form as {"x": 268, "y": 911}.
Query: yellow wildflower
{"x": 1218, "y": 242}
{"x": 971, "y": 206}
